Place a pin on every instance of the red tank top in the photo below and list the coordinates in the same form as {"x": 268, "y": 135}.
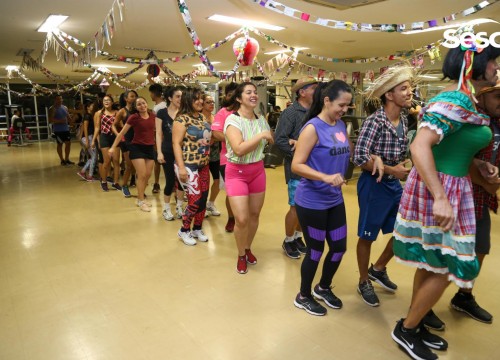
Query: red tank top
{"x": 107, "y": 123}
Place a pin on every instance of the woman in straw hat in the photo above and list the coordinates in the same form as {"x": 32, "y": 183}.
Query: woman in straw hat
{"x": 435, "y": 227}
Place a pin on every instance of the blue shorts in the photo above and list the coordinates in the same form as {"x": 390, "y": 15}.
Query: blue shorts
{"x": 292, "y": 186}
{"x": 378, "y": 205}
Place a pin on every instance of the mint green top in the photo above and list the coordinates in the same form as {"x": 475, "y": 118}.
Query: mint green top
{"x": 462, "y": 128}
{"x": 248, "y": 128}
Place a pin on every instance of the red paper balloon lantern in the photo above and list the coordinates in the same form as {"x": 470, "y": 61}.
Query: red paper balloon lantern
{"x": 250, "y": 50}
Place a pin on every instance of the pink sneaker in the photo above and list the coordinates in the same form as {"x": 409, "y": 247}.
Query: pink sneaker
{"x": 81, "y": 175}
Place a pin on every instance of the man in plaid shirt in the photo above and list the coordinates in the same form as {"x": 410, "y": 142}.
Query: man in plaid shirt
{"x": 383, "y": 133}
{"x": 485, "y": 199}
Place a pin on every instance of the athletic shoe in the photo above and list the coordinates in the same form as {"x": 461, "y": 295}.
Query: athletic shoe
{"x": 186, "y": 237}
{"x": 251, "y": 259}
{"x": 299, "y": 244}
{"x": 241, "y": 265}
{"x": 116, "y": 186}
{"x": 140, "y": 202}
{"x": 110, "y": 179}
{"x": 126, "y": 191}
{"x": 144, "y": 206}
{"x": 291, "y": 250}
{"x": 63, "y": 162}
{"x": 431, "y": 340}
{"x": 81, "y": 175}
{"x": 167, "y": 214}
{"x": 199, "y": 235}
{"x": 365, "y": 289}
{"x": 104, "y": 186}
{"x": 69, "y": 162}
{"x": 230, "y": 225}
{"x": 156, "y": 188}
{"x": 466, "y": 303}
{"x": 212, "y": 210}
{"x": 411, "y": 342}
{"x": 381, "y": 278}
{"x": 179, "y": 212}
{"x": 90, "y": 178}
{"x": 310, "y": 305}
{"x": 431, "y": 321}
{"x": 327, "y": 296}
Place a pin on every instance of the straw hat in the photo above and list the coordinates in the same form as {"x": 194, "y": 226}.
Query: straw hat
{"x": 303, "y": 82}
{"x": 490, "y": 88}
{"x": 392, "y": 77}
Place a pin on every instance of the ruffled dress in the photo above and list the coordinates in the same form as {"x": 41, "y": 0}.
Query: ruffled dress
{"x": 419, "y": 240}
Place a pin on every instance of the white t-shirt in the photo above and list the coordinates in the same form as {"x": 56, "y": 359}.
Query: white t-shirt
{"x": 159, "y": 106}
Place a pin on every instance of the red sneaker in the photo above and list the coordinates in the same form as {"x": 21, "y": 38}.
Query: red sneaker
{"x": 251, "y": 259}
{"x": 241, "y": 265}
{"x": 230, "y": 225}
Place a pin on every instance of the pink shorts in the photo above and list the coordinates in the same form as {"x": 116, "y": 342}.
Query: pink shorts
{"x": 245, "y": 179}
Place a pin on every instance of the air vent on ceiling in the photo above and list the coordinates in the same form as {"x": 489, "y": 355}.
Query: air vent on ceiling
{"x": 344, "y": 4}
{"x": 23, "y": 52}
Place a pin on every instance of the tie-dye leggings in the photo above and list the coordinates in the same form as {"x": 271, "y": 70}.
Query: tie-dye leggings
{"x": 318, "y": 226}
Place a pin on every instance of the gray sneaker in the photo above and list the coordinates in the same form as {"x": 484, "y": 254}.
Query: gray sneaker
{"x": 365, "y": 289}
{"x": 381, "y": 278}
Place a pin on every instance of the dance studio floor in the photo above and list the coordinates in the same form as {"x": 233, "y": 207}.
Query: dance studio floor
{"x": 86, "y": 275}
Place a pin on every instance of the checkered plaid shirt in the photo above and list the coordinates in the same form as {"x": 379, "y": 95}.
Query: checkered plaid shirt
{"x": 483, "y": 198}
{"x": 378, "y": 137}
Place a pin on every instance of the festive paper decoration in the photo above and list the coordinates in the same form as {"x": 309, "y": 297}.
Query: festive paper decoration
{"x": 153, "y": 70}
{"x": 352, "y": 26}
{"x": 250, "y": 48}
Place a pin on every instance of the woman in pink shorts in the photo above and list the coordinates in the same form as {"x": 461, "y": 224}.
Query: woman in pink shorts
{"x": 246, "y": 136}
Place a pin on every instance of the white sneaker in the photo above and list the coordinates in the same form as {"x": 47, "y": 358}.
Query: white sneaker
{"x": 179, "y": 212}
{"x": 143, "y": 206}
{"x": 186, "y": 237}
{"x": 200, "y": 235}
{"x": 167, "y": 214}
{"x": 212, "y": 210}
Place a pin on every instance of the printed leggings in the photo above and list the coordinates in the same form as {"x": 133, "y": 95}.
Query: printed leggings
{"x": 196, "y": 189}
{"x": 90, "y": 164}
{"x": 318, "y": 225}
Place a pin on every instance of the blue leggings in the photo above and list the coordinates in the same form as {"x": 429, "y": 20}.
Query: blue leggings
{"x": 318, "y": 225}
{"x": 90, "y": 164}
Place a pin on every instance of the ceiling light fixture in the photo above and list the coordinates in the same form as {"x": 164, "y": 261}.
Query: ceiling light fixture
{"x": 242, "y": 22}
{"x": 285, "y": 50}
{"x": 428, "y": 77}
{"x": 52, "y": 22}
{"x": 11, "y": 67}
{"x": 450, "y": 26}
{"x": 109, "y": 66}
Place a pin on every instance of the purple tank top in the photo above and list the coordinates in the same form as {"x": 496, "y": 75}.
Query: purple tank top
{"x": 330, "y": 156}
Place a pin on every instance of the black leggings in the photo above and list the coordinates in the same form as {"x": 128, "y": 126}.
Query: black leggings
{"x": 316, "y": 226}
{"x": 168, "y": 169}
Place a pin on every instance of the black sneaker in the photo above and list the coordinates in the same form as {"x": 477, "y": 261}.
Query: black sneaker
{"x": 110, "y": 179}
{"x": 69, "y": 162}
{"x": 63, "y": 162}
{"x": 381, "y": 278}
{"x": 365, "y": 289}
{"x": 411, "y": 342}
{"x": 466, "y": 303}
{"x": 327, "y": 296}
{"x": 291, "y": 250}
{"x": 299, "y": 244}
{"x": 104, "y": 186}
{"x": 431, "y": 340}
{"x": 431, "y": 321}
{"x": 116, "y": 187}
{"x": 156, "y": 188}
{"x": 310, "y": 305}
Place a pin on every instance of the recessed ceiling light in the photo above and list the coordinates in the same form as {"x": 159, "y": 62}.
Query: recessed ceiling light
{"x": 109, "y": 66}
{"x": 11, "y": 67}
{"x": 212, "y": 62}
{"x": 243, "y": 22}
{"x": 52, "y": 22}
{"x": 450, "y": 26}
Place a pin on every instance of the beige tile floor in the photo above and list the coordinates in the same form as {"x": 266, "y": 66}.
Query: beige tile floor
{"x": 86, "y": 275}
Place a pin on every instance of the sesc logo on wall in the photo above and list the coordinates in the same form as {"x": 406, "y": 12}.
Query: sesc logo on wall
{"x": 481, "y": 39}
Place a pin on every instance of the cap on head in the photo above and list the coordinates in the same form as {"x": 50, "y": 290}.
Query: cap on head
{"x": 303, "y": 82}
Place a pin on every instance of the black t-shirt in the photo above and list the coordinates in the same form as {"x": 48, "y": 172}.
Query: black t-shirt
{"x": 90, "y": 128}
{"x": 166, "y": 128}
{"x": 129, "y": 136}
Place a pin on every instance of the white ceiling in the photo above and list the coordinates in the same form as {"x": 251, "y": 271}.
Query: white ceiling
{"x": 157, "y": 24}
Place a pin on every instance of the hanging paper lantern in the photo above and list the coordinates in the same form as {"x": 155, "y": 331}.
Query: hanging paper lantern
{"x": 153, "y": 70}
{"x": 250, "y": 50}
{"x": 104, "y": 85}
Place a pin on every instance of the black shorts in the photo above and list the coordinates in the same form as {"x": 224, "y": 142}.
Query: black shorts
{"x": 222, "y": 170}
{"x": 483, "y": 233}
{"x": 138, "y": 151}
{"x": 125, "y": 146}
{"x": 214, "y": 167}
{"x": 62, "y": 136}
{"x": 106, "y": 140}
